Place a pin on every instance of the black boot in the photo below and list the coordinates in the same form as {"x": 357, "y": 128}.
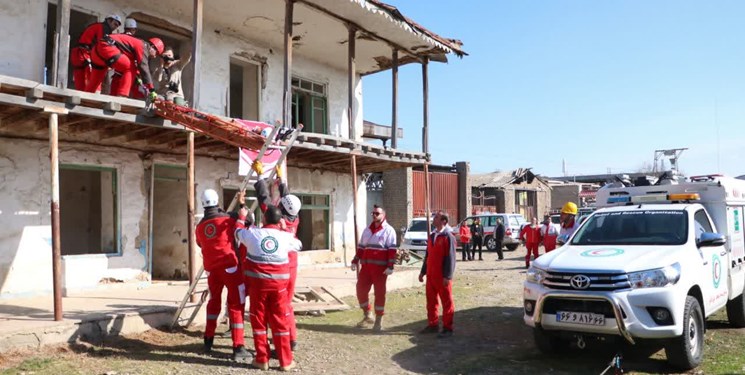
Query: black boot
{"x": 293, "y": 345}
{"x": 240, "y": 354}
{"x": 208, "y": 341}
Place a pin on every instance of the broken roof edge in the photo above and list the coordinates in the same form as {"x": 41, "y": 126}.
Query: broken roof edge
{"x": 446, "y": 44}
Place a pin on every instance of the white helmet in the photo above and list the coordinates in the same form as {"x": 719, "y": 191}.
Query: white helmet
{"x": 130, "y": 23}
{"x": 291, "y": 204}
{"x": 209, "y": 198}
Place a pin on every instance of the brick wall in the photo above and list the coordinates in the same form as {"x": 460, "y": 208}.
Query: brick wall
{"x": 397, "y": 193}
{"x": 464, "y": 189}
{"x": 564, "y": 193}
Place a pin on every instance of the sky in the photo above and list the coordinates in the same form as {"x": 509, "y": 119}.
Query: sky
{"x": 599, "y": 84}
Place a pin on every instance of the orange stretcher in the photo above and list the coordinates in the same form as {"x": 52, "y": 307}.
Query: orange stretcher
{"x": 239, "y": 133}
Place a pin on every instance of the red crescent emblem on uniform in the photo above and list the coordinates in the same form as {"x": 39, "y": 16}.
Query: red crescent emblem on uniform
{"x": 210, "y": 230}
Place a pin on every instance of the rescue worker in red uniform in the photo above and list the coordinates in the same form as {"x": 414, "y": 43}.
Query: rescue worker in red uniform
{"x": 375, "y": 258}
{"x": 439, "y": 268}
{"x": 549, "y": 234}
{"x": 465, "y": 239}
{"x": 215, "y": 237}
{"x": 290, "y": 205}
{"x": 531, "y": 237}
{"x": 127, "y": 56}
{"x": 80, "y": 55}
{"x": 267, "y": 270}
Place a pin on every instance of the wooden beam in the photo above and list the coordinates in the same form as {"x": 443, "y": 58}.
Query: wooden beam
{"x": 287, "y": 73}
{"x": 192, "y": 241}
{"x": 55, "y": 208}
{"x": 144, "y": 133}
{"x": 353, "y": 166}
{"x": 86, "y": 127}
{"x": 394, "y": 104}
{"x": 425, "y": 108}
{"x": 63, "y": 43}
{"x": 196, "y": 50}
{"x": 351, "y": 72}
{"x": 165, "y": 137}
{"x": 75, "y": 119}
{"x": 118, "y": 131}
{"x": 21, "y": 118}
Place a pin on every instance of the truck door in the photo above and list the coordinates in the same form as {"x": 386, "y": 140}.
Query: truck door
{"x": 714, "y": 274}
{"x": 736, "y": 247}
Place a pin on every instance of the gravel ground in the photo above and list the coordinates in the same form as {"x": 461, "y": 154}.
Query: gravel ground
{"x": 490, "y": 338}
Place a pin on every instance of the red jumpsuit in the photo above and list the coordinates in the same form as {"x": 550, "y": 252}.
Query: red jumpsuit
{"x": 532, "y": 237}
{"x": 465, "y": 239}
{"x": 80, "y": 56}
{"x": 549, "y": 234}
{"x": 267, "y": 269}
{"x": 127, "y": 56}
{"x": 376, "y": 252}
{"x": 215, "y": 236}
{"x": 291, "y": 226}
{"x": 439, "y": 265}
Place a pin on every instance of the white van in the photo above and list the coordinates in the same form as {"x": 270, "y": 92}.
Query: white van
{"x": 415, "y": 235}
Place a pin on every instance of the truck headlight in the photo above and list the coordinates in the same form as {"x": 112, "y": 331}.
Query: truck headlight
{"x": 655, "y": 278}
{"x": 535, "y": 275}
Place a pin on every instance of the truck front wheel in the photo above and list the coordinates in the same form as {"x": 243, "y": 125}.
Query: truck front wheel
{"x": 687, "y": 350}
{"x": 736, "y": 311}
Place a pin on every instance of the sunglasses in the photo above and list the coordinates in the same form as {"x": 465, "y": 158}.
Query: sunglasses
{"x": 374, "y": 213}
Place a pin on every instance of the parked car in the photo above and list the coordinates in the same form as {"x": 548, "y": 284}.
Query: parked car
{"x": 415, "y": 235}
{"x": 512, "y": 225}
{"x": 556, "y": 218}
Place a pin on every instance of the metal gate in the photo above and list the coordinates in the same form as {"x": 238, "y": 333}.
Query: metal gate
{"x": 443, "y": 194}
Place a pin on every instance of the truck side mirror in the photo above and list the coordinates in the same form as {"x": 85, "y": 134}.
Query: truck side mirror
{"x": 708, "y": 239}
{"x": 563, "y": 239}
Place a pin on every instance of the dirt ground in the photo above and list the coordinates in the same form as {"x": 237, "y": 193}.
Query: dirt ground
{"x": 490, "y": 338}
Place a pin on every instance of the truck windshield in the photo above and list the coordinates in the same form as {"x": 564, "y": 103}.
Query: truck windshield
{"x": 637, "y": 227}
{"x": 418, "y": 226}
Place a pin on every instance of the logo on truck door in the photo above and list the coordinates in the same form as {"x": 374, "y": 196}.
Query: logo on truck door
{"x": 716, "y": 270}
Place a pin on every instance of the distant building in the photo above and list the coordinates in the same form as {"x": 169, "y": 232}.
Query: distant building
{"x": 518, "y": 191}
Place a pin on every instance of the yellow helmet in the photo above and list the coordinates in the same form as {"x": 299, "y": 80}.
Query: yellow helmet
{"x": 569, "y": 208}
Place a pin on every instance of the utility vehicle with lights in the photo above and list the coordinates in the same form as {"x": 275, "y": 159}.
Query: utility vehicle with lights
{"x": 649, "y": 266}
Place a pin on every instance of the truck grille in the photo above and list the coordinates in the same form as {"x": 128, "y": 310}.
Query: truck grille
{"x": 598, "y": 281}
{"x": 552, "y": 305}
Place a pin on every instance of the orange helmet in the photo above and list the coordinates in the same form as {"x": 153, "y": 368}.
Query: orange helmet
{"x": 158, "y": 44}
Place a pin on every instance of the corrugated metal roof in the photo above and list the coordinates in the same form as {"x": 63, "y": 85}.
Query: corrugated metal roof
{"x": 500, "y": 179}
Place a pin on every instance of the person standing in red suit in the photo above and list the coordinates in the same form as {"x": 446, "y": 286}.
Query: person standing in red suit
{"x": 215, "y": 237}
{"x": 531, "y": 237}
{"x": 549, "y": 234}
{"x": 465, "y": 239}
{"x": 80, "y": 55}
{"x": 439, "y": 268}
{"x": 290, "y": 206}
{"x": 376, "y": 255}
{"x": 127, "y": 56}
{"x": 267, "y": 267}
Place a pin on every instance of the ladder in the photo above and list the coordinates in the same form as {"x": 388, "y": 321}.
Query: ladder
{"x": 200, "y": 276}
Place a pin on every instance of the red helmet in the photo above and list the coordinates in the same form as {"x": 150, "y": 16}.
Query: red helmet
{"x": 158, "y": 44}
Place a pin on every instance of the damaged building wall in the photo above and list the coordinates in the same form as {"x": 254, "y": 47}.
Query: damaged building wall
{"x": 25, "y": 232}
{"x": 26, "y": 21}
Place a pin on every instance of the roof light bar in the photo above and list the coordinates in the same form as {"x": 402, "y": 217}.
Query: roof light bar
{"x": 684, "y": 197}
{"x": 619, "y": 199}
{"x": 649, "y": 198}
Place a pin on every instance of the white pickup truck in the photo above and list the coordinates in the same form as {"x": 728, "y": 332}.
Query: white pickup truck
{"x": 651, "y": 265}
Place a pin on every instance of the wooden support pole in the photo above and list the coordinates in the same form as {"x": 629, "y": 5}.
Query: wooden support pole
{"x": 196, "y": 49}
{"x": 287, "y": 95}
{"x": 353, "y": 160}
{"x": 56, "y": 245}
{"x": 425, "y": 138}
{"x": 63, "y": 43}
{"x": 394, "y": 95}
{"x": 351, "y": 71}
{"x": 425, "y": 107}
{"x": 190, "y": 210}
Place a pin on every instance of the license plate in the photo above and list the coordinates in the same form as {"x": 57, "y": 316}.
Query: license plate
{"x": 580, "y": 318}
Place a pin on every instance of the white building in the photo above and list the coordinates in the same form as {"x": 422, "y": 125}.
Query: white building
{"x": 123, "y": 176}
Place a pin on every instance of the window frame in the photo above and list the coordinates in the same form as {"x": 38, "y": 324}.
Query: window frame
{"x": 707, "y": 222}
{"x": 326, "y": 208}
{"x": 117, "y": 206}
{"x": 312, "y": 95}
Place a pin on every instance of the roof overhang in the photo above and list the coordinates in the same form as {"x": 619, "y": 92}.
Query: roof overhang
{"x": 320, "y": 31}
